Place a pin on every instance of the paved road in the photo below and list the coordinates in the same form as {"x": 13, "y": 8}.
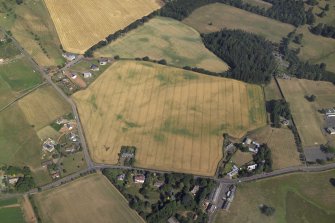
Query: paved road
{"x": 68, "y": 99}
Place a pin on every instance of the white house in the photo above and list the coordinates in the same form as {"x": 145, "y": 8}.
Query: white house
{"x": 233, "y": 172}
{"x": 94, "y": 67}
{"x": 331, "y": 130}
{"x": 103, "y": 61}
{"x": 73, "y": 75}
{"x": 251, "y": 167}
{"x": 139, "y": 179}
{"x": 87, "y": 74}
{"x": 13, "y": 180}
{"x": 69, "y": 56}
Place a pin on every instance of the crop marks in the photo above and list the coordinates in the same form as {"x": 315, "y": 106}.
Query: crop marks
{"x": 174, "y": 117}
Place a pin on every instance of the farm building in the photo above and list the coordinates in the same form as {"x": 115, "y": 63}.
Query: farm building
{"x": 252, "y": 145}
{"x": 172, "y": 220}
{"x": 195, "y": 190}
{"x": 139, "y": 179}
{"x": 331, "y": 130}
{"x": 69, "y": 56}
{"x": 251, "y": 167}
{"x": 103, "y": 61}
{"x": 121, "y": 177}
{"x": 49, "y": 145}
{"x": 233, "y": 172}
{"x": 94, "y": 67}
{"x": 87, "y": 74}
{"x": 13, "y": 180}
{"x": 73, "y": 75}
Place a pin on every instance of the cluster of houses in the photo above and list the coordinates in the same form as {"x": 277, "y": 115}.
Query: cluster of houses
{"x": 93, "y": 68}
{"x": 252, "y": 145}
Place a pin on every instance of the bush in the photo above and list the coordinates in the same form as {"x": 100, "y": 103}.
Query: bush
{"x": 267, "y": 210}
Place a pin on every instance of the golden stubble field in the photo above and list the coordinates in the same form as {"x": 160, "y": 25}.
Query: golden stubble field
{"x": 96, "y": 200}
{"x": 82, "y": 23}
{"x": 174, "y": 117}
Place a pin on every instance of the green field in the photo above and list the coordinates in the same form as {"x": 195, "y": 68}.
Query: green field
{"x": 8, "y": 50}
{"x": 88, "y": 199}
{"x": 32, "y": 26}
{"x": 19, "y": 75}
{"x": 10, "y": 211}
{"x": 224, "y": 16}
{"x": 297, "y": 198}
{"x": 165, "y": 38}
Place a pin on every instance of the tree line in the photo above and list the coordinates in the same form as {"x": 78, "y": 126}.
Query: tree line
{"x": 324, "y": 30}
{"x": 288, "y": 11}
{"x": 249, "y": 56}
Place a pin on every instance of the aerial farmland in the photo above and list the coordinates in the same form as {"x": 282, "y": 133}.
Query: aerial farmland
{"x": 174, "y": 117}
{"x": 79, "y": 27}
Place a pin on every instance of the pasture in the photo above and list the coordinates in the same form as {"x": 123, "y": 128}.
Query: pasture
{"x": 260, "y": 3}
{"x": 308, "y": 120}
{"x": 10, "y": 211}
{"x": 296, "y": 198}
{"x": 214, "y": 17}
{"x": 43, "y": 106}
{"x": 82, "y": 23}
{"x": 101, "y": 202}
{"x": 174, "y": 117}
{"x": 165, "y": 38}
{"x": 316, "y": 49}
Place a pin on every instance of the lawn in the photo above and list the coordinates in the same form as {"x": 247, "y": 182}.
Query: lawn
{"x": 19, "y": 75}
{"x": 43, "y": 106}
{"x": 73, "y": 163}
{"x": 214, "y": 17}
{"x": 174, "y": 117}
{"x": 296, "y": 198}
{"x": 82, "y": 23}
{"x": 10, "y": 211}
{"x": 165, "y": 38}
{"x": 32, "y": 26}
{"x": 96, "y": 200}
{"x": 308, "y": 120}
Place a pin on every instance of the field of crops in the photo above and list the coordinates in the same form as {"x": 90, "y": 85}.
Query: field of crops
{"x": 214, "y": 17}
{"x": 82, "y": 23}
{"x": 306, "y": 116}
{"x": 174, "y": 117}
{"x": 97, "y": 200}
{"x": 165, "y": 38}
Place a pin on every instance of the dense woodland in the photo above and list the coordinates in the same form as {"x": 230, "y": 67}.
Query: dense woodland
{"x": 25, "y": 181}
{"x": 249, "y": 56}
{"x": 288, "y": 11}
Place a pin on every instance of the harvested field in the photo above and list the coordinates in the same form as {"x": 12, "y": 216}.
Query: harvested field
{"x": 282, "y": 145}
{"x": 102, "y": 203}
{"x": 43, "y": 106}
{"x": 82, "y": 23}
{"x": 174, "y": 117}
{"x": 306, "y": 116}
{"x": 307, "y": 197}
{"x": 224, "y": 16}
{"x": 165, "y": 38}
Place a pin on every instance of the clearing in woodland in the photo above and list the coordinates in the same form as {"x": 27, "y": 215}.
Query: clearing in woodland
{"x": 307, "y": 197}
{"x": 82, "y": 23}
{"x": 174, "y": 117}
{"x": 214, "y": 17}
{"x": 96, "y": 201}
{"x": 165, "y": 38}
{"x": 308, "y": 120}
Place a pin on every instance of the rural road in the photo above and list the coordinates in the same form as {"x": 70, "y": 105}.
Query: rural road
{"x": 68, "y": 99}
{"x": 92, "y": 166}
